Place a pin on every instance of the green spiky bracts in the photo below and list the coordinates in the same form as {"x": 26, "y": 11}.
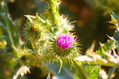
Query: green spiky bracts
{"x": 34, "y": 28}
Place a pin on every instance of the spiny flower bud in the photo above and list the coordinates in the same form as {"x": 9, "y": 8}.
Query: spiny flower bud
{"x": 32, "y": 33}
{"x": 64, "y": 45}
{"x": 34, "y": 27}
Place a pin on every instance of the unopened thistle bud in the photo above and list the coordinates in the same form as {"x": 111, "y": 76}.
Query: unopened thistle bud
{"x": 33, "y": 28}
{"x": 32, "y": 33}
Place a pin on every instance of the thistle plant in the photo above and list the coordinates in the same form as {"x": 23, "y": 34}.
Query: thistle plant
{"x": 52, "y": 41}
{"x": 59, "y": 44}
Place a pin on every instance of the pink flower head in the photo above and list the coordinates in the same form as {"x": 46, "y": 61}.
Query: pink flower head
{"x": 65, "y": 41}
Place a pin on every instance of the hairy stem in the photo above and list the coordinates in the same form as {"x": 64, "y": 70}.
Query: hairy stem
{"x": 54, "y": 4}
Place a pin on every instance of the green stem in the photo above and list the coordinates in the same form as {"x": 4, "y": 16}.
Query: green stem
{"x": 34, "y": 46}
{"x": 80, "y": 70}
{"x": 53, "y": 4}
{"x": 11, "y": 40}
{"x": 99, "y": 61}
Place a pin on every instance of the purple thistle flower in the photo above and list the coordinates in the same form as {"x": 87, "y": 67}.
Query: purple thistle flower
{"x": 65, "y": 41}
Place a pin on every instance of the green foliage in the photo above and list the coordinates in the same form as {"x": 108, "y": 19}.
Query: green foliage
{"x": 91, "y": 71}
{"x": 107, "y": 46}
{"x": 16, "y": 58}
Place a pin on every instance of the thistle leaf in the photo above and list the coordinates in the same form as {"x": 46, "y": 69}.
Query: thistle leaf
{"x": 9, "y": 28}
